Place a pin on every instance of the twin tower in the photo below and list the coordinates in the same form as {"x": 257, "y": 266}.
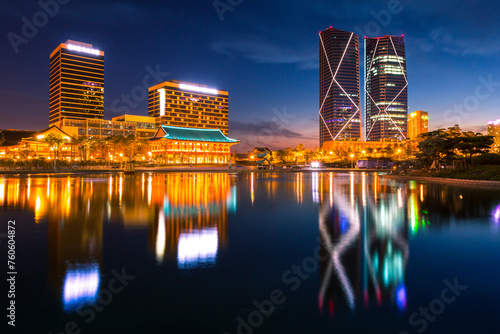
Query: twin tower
{"x": 385, "y": 88}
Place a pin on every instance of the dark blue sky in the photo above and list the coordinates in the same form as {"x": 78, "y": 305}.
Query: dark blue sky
{"x": 265, "y": 53}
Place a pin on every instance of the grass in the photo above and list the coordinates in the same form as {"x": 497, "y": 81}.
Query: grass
{"x": 482, "y": 172}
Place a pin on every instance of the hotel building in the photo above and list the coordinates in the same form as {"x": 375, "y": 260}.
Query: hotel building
{"x": 386, "y": 89}
{"x": 76, "y": 82}
{"x": 184, "y": 104}
{"x": 418, "y": 122}
{"x": 339, "y": 96}
{"x": 493, "y": 129}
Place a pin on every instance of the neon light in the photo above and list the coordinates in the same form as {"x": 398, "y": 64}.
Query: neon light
{"x": 199, "y": 89}
{"x": 197, "y": 247}
{"x": 401, "y": 297}
{"x": 81, "y": 285}
{"x": 83, "y": 49}
{"x": 162, "y": 101}
{"x": 497, "y": 214}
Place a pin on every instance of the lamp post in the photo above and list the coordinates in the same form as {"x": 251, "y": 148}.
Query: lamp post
{"x": 352, "y": 161}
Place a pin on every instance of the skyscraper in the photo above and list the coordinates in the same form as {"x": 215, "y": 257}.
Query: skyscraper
{"x": 339, "y": 98}
{"x": 76, "y": 82}
{"x": 190, "y": 105}
{"x": 386, "y": 88}
{"x": 418, "y": 122}
{"x": 493, "y": 129}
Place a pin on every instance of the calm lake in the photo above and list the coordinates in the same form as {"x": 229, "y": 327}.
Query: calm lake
{"x": 251, "y": 253}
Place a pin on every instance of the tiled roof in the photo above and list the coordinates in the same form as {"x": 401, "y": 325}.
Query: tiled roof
{"x": 193, "y": 134}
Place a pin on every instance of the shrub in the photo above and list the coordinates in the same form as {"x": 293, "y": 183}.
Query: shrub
{"x": 486, "y": 159}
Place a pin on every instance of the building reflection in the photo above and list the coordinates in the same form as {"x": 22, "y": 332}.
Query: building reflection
{"x": 363, "y": 243}
{"x": 191, "y": 215}
{"x": 186, "y": 215}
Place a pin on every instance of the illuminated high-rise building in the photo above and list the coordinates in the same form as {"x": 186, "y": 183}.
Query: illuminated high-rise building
{"x": 339, "y": 98}
{"x": 190, "y": 105}
{"x": 76, "y": 82}
{"x": 418, "y": 122}
{"x": 386, "y": 89}
{"x": 494, "y": 130}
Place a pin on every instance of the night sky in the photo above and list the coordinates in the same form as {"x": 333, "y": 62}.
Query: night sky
{"x": 265, "y": 53}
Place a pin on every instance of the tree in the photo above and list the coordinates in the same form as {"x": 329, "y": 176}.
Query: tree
{"x": 435, "y": 145}
{"x": 55, "y": 142}
{"x": 470, "y": 143}
{"x": 100, "y": 145}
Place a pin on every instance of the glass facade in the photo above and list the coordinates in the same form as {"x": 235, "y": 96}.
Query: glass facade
{"x": 76, "y": 82}
{"x": 183, "y": 104}
{"x": 339, "y": 89}
{"x": 386, "y": 89}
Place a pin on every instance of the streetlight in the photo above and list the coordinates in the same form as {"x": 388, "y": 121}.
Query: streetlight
{"x": 352, "y": 160}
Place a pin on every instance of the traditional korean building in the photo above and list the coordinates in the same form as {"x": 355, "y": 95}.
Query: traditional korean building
{"x": 191, "y": 146}
{"x": 37, "y": 146}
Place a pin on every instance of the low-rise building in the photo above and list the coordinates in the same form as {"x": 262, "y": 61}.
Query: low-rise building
{"x": 125, "y": 125}
{"x": 191, "y": 146}
{"x": 36, "y": 145}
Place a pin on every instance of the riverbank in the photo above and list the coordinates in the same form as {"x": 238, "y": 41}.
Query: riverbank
{"x": 185, "y": 169}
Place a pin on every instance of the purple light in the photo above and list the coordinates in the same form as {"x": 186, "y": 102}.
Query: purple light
{"x": 496, "y": 214}
{"x": 401, "y": 297}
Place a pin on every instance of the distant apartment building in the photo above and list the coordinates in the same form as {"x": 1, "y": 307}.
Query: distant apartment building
{"x": 339, "y": 88}
{"x": 418, "y": 122}
{"x": 493, "y": 129}
{"x": 76, "y": 82}
{"x": 190, "y": 105}
{"x": 386, "y": 89}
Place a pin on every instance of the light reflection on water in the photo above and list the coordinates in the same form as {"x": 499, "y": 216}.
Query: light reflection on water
{"x": 365, "y": 224}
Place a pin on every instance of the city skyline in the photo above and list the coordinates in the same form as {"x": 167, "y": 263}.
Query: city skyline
{"x": 273, "y": 84}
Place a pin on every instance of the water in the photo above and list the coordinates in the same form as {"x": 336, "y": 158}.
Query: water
{"x": 202, "y": 253}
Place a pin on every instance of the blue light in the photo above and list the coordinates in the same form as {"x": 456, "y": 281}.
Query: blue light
{"x": 81, "y": 285}
{"x": 401, "y": 297}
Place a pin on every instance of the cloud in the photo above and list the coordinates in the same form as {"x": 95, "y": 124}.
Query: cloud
{"x": 265, "y": 52}
{"x": 441, "y": 39}
{"x": 263, "y": 129}
{"x": 477, "y": 128}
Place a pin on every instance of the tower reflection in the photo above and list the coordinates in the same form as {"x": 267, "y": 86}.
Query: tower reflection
{"x": 363, "y": 243}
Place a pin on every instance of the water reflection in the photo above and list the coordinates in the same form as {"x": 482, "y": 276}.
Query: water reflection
{"x": 365, "y": 223}
{"x": 192, "y": 213}
{"x": 81, "y": 285}
{"x": 364, "y": 243}
{"x": 185, "y": 215}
